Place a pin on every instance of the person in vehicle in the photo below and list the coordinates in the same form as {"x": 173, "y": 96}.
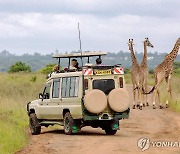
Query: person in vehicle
{"x": 55, "y": 70}
{"x": 74, "y": 64}
{"x": 98, "y": 61}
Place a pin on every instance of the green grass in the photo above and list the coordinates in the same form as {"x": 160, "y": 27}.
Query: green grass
{"x": 174, "y": 103}
{"x": 18, "y": 89}
{"x": 128, "y": 78}
{"x": 15, "y": 91}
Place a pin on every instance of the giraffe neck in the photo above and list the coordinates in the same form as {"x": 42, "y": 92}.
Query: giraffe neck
{"x": 144, "y": 61}
{"x": 133, "y": 57}
{"x": 172, "y": 55}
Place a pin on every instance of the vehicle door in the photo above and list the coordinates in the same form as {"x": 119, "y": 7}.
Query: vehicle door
{"x": 49, "y": 107}
{"x": 71, "y": 95}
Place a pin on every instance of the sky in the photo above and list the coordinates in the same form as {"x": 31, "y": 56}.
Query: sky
{"x": 43, "y": 26}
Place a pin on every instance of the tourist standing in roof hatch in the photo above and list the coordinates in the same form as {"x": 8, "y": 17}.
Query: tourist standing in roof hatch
{"x": 74, "y": 64}
{"x": 98, "y": 61}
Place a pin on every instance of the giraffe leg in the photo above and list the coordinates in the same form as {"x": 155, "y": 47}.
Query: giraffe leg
{"x": 146, "y": 96}
{"x": 134, "y": 95}
{"x": 144, "y": 105}
{"x": 138, "y": 98}
{"x": 167, "y": 105}
{"x": 154, "y": 98}
{"x": 138, "y": 94}
{"x": 134, "y": 102}
{"x": 141, "y": 98}
{"x": 168, "y": 90}
{"x": 158, "y": 80}
{"x": 160, "y": 105}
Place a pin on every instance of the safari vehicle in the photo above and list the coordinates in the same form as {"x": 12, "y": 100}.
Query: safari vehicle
{"x": 94, "y": 95}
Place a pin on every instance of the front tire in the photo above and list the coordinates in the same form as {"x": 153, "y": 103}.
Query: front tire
{"x": 109, "y": 131}
{"x": 68, "y": 123}
{"x": 34, "y": 125}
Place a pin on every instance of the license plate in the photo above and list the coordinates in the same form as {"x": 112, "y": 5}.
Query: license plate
{"x": 103, "y": 72}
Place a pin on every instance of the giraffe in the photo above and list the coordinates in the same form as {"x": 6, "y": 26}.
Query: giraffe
{"x": 164, "y": 71}
{"x": 136, "y": 76}
{"x": 144, "y": 66}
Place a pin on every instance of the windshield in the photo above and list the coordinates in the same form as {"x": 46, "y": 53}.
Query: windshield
{"x": 106, "y": 85}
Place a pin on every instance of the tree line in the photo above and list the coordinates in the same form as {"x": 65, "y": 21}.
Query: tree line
{"x": 37, "y": 62}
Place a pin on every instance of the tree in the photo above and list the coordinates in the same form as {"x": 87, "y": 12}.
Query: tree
{"x": 19, "y": 67}
{"x": 176, "y": 68}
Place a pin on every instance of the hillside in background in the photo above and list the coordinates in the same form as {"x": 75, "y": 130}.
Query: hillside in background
{"x": 38, "y": 61}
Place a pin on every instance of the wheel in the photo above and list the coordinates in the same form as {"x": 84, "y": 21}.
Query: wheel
{"x": 68, "y": 123}
{"x": 34, "y": 125}
{"x": 109, "y": 131}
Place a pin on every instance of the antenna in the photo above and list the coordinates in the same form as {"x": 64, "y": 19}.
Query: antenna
{"x": 79, "y": 37}
{"x": 83, "y": 87}
{"x": 80, "y": 44}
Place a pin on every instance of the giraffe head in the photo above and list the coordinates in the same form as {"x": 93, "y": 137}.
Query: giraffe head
{"x": 130, "y": 44}
{"x": 148, "y": 43}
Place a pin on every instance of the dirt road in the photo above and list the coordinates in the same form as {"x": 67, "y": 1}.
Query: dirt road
{"x": 157, "y": 125}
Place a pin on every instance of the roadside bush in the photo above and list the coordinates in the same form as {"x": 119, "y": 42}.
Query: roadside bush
{"x": 151, "y": 71}
{"x": 19, "y": 67}
{"x": 126, "y": 70}
{"x": 176, "y": 66}
{"x": 48, "y": 69}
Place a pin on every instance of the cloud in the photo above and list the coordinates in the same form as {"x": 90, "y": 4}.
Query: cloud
{"x": 29, "y": 26}
{"x": 97, "y": 7}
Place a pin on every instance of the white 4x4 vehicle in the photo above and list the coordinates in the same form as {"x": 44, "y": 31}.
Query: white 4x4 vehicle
{"x": 91, "y": 96}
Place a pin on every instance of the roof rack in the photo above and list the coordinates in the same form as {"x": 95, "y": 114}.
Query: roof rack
{"x": 79, "y": 54}
{"x": 84, "y": 54}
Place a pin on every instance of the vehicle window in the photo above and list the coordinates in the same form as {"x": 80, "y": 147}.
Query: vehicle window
{"x": 46, "y": 93}
{"x": 55, "y": 88}
{"x": 63, "y": 88}
{"x": 106, "y": 85}
{"x": 70, "y": 87}
{"x": 74, "y": 86}
{"x": 121, "y": 82}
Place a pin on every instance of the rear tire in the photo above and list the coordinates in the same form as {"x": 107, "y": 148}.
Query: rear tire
{"x": 34, "y": 125}
{"x": 68, "y": 123}
{"x": 109, "y": 131}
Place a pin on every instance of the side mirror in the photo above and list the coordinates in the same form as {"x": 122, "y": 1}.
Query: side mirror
{"x": 47, "y": 95}
{"x": 40, "y": 96}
